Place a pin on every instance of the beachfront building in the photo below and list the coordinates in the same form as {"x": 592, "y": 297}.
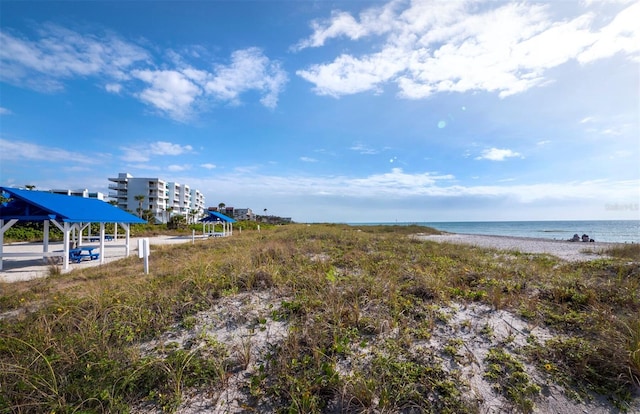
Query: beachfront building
{"x": 137, "y": 195}
{"x": 161, "y": 199}
{"x": 80, "y": 193}
{"x": 179, "y": 201}
{"x": 243, "y": 214}
{"x": 197, "y": 204}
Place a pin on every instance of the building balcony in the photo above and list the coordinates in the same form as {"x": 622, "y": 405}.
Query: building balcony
{"x": 119, "y": 186}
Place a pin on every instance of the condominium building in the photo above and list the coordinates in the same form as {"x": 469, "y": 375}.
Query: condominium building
{"x": 197, "y": 202}
{"x": 163, "y": 199}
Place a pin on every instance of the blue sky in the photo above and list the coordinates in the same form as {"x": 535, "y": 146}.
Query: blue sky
{"x": 332, "y": 111}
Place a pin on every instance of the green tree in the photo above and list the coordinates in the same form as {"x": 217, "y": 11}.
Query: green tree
{"x": 139, "y": 198}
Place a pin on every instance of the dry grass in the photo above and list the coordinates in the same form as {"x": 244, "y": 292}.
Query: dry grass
{"x": 366, "y": 298}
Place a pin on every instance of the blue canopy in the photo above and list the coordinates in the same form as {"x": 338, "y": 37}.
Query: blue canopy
{"x": 26, "y": 205}
{"x": 215, "y": 217}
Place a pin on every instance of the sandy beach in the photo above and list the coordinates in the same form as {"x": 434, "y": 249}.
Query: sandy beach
{"x": 15, "y": 269}
{"x": 566, "y": 250}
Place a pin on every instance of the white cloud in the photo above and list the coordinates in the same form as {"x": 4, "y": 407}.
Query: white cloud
{"x": 430, "y": 47}
{"x": 113, "y": 87}
{"x": 22, "y": 150}
{"x": 178, "y": 93}
{"x": 143, "y": 153}
{"x": 5, "y": 111}
{"x": 364, "y": 149}
{"x": 620, "y": 36}
{"x": 497, "y": 154}
{"x": 308, "y": 159}
{"x": 178, "y": 90}
{"x": 249, "y": 69}
{"x": 208, "y": 166}
{"x": 175, "y": 167}
{"x": 170, "y": 91}
{"x": 60, "y": 53}
{"x": 398, "y": 186}
{"x": 168, "y": 148}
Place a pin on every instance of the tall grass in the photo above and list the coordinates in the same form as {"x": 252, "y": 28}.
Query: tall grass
{"x": 357, "y": 299}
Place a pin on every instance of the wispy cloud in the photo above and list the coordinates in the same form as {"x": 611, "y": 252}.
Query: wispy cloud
{"x": 497, "y": 154}
{"x": 5, "y": 111}
{"x": 59, "y": 54}
{"x": 249, "y": 70}
{"x": 208, "y": 166}
{"x": 143, "y": 152}
{"x": 177, "y": 168}
{"x": 428, "y": 47}
{"x": 22, "y": 150}
{"x": 168, "y": 148}
{"x": 399, "y": 185}
{"x": 308, "y": 159}
{"x": 364, "y": 149}
{"x": 179, "y": 90}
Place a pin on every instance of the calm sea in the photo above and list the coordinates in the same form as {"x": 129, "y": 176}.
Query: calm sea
{"x": 620, "y": 231}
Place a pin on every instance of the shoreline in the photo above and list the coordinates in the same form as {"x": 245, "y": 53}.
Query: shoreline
{"x": 563, "y": 249}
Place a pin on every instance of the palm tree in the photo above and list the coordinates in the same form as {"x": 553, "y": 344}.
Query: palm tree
{"x": 221, "y": 206}
{"x": 139, "y": 198}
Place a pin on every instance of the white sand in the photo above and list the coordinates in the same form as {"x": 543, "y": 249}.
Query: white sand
{"x": 15, "y": 269}
{"x": 571, "y": 251}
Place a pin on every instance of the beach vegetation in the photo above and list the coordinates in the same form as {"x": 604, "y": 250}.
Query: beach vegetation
{"x": 352, "y": 318}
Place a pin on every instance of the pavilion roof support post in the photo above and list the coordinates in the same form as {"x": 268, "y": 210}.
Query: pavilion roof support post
{"x": 101, "y": 243}
{"x": 80, "y": 227}
{"x": 127, "y": 234}
{"x": 4, "y": 227}
{"x": 65, "y": 228}
{"x": 115, "y": 231}
{"x": 65, "y": 244}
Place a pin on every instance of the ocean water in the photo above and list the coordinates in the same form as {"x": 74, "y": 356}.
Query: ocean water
{"x": 619, "y": 231}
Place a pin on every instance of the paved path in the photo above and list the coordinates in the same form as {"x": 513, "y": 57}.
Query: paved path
{"x": 16, "y": 269}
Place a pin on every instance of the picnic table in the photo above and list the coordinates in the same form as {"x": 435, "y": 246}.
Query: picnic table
{"x": 83, "y": 252}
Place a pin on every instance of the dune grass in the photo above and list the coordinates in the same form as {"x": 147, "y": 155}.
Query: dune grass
{"x": 71, "y": 342}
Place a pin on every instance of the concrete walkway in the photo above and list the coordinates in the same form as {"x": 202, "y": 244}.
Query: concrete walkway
{"x": 15, "y": 269}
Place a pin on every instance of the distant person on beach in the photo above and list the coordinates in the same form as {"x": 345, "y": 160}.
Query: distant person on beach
{"x": 575, "y": 238}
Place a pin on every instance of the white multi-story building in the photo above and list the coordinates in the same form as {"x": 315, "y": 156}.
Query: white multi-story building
{"x": 197, "y": 202}
{"x": 139, "y": 194}
{"x": 162, "y": 198}
{"x": 179, "y": 200}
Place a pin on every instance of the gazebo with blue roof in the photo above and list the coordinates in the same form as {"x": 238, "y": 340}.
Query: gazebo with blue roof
{"x": 67, "y": 213}
{"x": 216, "y": 218}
